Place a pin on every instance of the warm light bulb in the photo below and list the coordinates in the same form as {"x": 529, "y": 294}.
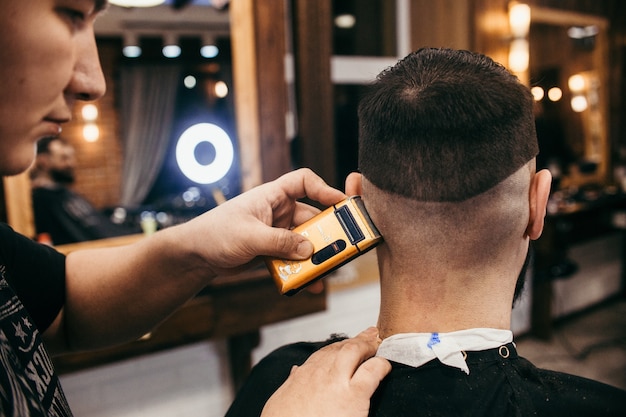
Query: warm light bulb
{"x": 345, "y": 21}
{"x": 91, "y": 132}
{"x": 221, "y": 89}
{"x": 555, "y": 94}
{"x": 537, "y": 93}
{"x": 576, "y": 83}
{"x": 89, "y": 112}
{"x": 518, "y": 55}
{"x": 579, "y": 103}
{"x": 519, "y": 19}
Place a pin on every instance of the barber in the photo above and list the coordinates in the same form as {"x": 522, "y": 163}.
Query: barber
{"x": 102, "y": 297}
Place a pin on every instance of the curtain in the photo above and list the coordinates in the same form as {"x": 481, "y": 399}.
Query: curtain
{"x": 148, "y": 96}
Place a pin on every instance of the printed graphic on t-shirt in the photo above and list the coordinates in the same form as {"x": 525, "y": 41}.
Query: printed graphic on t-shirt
{"x": 28, "y": 384}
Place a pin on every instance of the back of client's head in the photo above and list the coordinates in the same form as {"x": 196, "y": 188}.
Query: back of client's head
{"x": 448, "y": 137}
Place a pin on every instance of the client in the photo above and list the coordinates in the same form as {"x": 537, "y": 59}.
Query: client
{"x": 447, "y": 159}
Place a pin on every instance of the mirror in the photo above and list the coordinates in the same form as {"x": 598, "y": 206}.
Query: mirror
{"x": 568, "y": 71}
{"x": 261, "y": 128}
{"x": 99, "y": 158}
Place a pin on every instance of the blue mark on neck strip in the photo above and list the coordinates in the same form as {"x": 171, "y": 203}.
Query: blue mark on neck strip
{"x": 434, "y": 340}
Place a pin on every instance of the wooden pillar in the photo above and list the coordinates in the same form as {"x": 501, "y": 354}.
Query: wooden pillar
{"x": 19, "y": 204}
{"x": 313, "y": 50}
{"x": 258, "y": 47}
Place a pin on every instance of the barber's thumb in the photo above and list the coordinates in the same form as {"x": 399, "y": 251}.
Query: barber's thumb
{"x": 291, "y": 245}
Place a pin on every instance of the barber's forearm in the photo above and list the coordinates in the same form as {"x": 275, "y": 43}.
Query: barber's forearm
{"x": 118, "y": 294}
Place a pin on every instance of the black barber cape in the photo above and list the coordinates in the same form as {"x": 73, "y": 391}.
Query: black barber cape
{"x": 496, "y": 386}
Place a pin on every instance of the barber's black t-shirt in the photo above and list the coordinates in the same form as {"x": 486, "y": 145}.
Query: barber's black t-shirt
{"x": 32, "y": 292}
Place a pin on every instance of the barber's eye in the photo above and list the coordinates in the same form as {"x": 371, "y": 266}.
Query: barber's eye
{"x": 77, "y": 17}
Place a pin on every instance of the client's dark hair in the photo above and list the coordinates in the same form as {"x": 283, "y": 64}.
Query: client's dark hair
{"x": 445, "y": 125}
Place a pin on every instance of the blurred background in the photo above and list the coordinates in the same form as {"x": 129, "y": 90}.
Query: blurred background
{"x": 209, "y": 98}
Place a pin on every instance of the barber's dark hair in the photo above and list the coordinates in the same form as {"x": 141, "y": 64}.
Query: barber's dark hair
{"x": 445, "y": 125}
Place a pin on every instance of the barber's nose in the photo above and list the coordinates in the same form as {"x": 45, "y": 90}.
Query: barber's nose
{"x": 87, "y": 81}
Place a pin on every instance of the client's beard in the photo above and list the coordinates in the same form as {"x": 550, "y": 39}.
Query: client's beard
{"x": 521, "y": 279}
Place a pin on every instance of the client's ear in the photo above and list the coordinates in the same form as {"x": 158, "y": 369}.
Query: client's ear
{"x": 538, "y": 201}
{"x": 354, "y": 184}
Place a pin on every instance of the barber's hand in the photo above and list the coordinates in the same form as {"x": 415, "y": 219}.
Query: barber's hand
{"x": 256, "y": 223}
{"x": 338, "y": 380}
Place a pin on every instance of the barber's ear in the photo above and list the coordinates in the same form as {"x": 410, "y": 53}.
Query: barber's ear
{"x": 354, "y": 184}
{"x": 538, "y": 199}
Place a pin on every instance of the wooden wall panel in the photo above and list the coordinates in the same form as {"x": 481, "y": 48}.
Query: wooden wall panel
{"x": 313, "y": 45}
{"x": 258, "y": 50}
{"x": 18, "y": 203}
{"x": 445, "y": 23}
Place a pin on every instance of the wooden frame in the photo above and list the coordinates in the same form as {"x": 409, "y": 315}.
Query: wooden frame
{"x": 258, "y": 49}
{"x": 541, "y": 311}
{"x": 19, "y": 204}
{"x": 595, "y": 122}
{"x": 259, "y": 42}
{"x": 315, "y": 104}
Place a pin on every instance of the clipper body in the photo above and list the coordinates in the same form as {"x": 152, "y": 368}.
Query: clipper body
{"x": 339, "y": 234}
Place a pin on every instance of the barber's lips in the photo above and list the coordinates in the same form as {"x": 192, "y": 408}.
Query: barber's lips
{"x": 52, "y": 129}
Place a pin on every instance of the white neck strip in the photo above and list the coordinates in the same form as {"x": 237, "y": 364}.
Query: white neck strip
{"x": 415, "y": 349}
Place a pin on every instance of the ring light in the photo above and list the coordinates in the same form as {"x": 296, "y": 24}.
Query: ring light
{"x": 189, "y": 164}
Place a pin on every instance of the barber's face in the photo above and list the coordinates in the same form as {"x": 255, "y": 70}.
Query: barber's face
{"x": 49, "y": 60}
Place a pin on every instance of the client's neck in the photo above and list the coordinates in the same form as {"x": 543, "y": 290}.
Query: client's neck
{"x": 430, "y": 298}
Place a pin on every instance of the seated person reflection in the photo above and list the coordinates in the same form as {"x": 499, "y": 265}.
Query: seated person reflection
{"x": 447, "y": 152}
{"x": 61, "y": 214}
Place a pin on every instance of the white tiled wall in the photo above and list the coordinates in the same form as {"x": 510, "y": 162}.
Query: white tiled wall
{"x": 598, "y": 276}
{"x": 194, "y": 380}
{"x": 188, "y": 381}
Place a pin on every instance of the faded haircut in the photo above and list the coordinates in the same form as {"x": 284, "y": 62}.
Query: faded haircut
{"x": 445, "y": 125}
